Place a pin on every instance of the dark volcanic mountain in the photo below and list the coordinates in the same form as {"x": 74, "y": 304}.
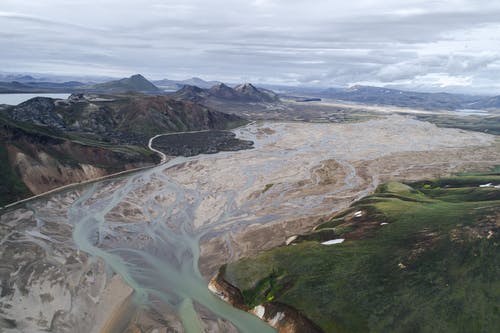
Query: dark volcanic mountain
{"x": 135, "y": 83}
{"x": 192, "y": 93}
{"x": 250, "y": 93}
{"x": 223, "y": 91}
{"x": 244, "y": 93}
{"x": 119, "y": 118}
{"x": 46, "y": 143}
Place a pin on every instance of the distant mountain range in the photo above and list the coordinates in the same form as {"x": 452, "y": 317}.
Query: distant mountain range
{"x": 194, "y": 89}
{"x": 429, "y": 101}
{"x": 39, "y": 87}
{"x": 38, "y": 77}
{"x": 135, "y": 83}
{"x": 198, "y": 90}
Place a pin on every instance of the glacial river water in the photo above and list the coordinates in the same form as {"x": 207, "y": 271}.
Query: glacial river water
{"x": 164, "y": 268}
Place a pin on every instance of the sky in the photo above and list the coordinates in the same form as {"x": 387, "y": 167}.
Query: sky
{"x": 451, "y": 45}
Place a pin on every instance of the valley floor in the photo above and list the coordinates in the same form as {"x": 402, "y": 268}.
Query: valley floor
{"x": 166, "y": 231}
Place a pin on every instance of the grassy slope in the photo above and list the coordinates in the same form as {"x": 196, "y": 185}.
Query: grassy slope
{"x": 44, "y": 133}
{"x": 431, "y": 269}
{"x": 489, "y": 124}
{"x": 12, "y": 187}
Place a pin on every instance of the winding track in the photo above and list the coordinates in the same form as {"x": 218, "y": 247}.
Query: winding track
{"x": 163, "y": 156}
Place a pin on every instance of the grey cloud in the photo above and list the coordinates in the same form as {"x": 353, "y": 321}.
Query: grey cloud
{"x": 322, "y": 42}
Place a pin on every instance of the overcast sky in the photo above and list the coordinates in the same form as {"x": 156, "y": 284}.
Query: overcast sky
{"x": 445, "y": 45}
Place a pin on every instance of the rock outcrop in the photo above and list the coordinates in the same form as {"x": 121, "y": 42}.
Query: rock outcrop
{"x": 283, "y": 318}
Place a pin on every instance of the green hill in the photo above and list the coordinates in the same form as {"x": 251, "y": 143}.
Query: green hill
{"x": 422, "y": 257}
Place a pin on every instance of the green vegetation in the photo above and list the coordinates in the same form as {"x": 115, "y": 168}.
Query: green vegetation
{"x": 266, "y": 289}
{"x": 487, "y": 124}
{"x": 421, "y": 257}
{"x": 29, "y": 128}
{"x": 235, "y": 123}
{"x": 12, "y": 187}
{"x": 267, "y": 187}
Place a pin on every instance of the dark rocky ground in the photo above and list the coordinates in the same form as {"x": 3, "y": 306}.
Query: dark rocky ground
{"x": 209, "y": 142}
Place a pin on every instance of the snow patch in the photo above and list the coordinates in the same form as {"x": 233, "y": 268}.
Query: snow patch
{"x": 259, "y": 311}
{"x": 359, "y": 213}
{"x": 289, "y": 240}
{"x": 333, "y": 241}
{"x": 274, "y": 321}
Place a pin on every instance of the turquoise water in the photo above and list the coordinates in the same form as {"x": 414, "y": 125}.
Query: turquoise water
{"x": 164, "y": 268}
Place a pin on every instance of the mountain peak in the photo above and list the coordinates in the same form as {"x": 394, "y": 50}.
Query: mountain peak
{"x": 191, "y": 93}
{"x": 251, "y": 93}
{"x": 138, "y": 77}
{"x": 189, "y": 87}
{"x": 221, "y": 85}
{"x": 246, "y": 87}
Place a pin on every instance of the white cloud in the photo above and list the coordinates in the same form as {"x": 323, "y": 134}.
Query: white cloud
{"x": 443, "y": 80}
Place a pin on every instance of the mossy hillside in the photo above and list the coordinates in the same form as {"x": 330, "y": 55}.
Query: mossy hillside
{"x": 433, "y": 267}
{"x": 12, "y": 187}
{"x": 44, "y": 135}
{"x": 486, "y": 124}
{"x": 65, "y": 148}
